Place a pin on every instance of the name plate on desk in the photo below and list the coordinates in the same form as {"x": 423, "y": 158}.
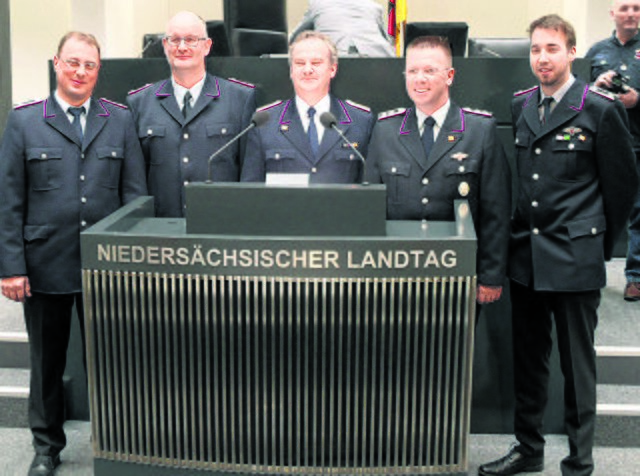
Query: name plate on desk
{"x": 256, "y": 209}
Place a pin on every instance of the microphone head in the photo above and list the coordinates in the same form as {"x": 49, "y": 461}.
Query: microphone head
{"x": 328, "y": 120}
{"x": 259, "y": 118}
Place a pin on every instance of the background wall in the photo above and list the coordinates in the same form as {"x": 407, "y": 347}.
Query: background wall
{"x": 36, "y": 25}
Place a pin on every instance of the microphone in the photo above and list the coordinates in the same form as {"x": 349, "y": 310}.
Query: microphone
{"x": 329, "y": 121}
{"x": 258, "y": 119}
{"x": 489, "y": 51}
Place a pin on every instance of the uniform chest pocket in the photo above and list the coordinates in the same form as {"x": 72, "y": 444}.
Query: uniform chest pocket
{"x": 111, "y": 159}
{"x": 396, "y": 177}
{"x": 45, "y": 168}
{"x": 151, "y": 131}
{"x": 222, "y": 130}
{"x": 151, "y": 139}
{"x": 280, "y": 160}
{"x": 462, "y": 167}
{"x": 572, "y": 160}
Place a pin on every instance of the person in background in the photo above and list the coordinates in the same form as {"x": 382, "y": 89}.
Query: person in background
{"x": 181, "y": 121}
{"x": 435, "y": 152}
{"x": 615, "y": 66}
{"x": 577, "y": 183}
{"x": 66, "y": 162}
{"x": 357, "y": 27}
{"x": 294, "y": 140}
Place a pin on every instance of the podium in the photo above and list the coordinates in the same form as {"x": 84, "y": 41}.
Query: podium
{"x": 217, "y": 353}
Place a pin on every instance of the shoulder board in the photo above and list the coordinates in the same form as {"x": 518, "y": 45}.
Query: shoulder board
{"x": 243, "y": 83}
{"x": 357, "y": 106}
{"x": 134, "y": 91}
{"x": 117, "y": 104}
{"x": 30, "y": 102}
{"x": 477, "y": 112}
{"x": 525, "y": 91}
{"x": 270, "y": 105}
{"x": 602, "y": 92}
{"x": 391, "y": 113}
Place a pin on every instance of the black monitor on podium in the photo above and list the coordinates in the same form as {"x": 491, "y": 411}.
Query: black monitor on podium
{"x": 456, "y": 32}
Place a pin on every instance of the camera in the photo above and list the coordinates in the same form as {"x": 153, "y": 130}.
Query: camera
{"x": 619, "y": 84}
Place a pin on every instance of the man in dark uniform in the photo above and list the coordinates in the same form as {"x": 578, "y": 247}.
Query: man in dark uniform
{"x": 294, "y": 140}
{"x": 436, "y": 152}
{"x": 576, "y": 170}
{"x": 615, "y": 65}
{"x": 183, "y": 120}
{"x": 65, "y": 163}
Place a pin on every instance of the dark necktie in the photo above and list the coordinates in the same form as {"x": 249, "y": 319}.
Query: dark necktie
{"x": 186, "y": 105}
{"x": 312, "y": 132}
{"x": 427, "y": 134}
{"x": 546, "y": 109}
{"x": 76, "y": 112}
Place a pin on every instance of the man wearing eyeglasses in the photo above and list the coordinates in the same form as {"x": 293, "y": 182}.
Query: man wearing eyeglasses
{"x": 183, "y": 120}
{"x": 435, "y": 152}
{"x": 65, "y": 163}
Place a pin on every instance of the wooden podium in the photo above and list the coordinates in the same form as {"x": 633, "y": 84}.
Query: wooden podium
{"x": 279, "y": 354}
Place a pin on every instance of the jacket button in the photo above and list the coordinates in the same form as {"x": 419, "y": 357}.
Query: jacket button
{"x": 535, "y": 176}
{"x": 43, "y": 156}
{"x": 425, "y": 201}
{"x": 572, "y": 146}
{"x": 82, "y": 178}
{"x": 394, "y": 170}
{"x": 185, "y": 160}
{"x": 276, "y": 156}
{"x": 113, "y": 154}
{"x": 425, "y": 181}
{"x": 594, "y": 230}
{"x": 185, "y": 136}
{"x": 83, "y": 223}
{"x": 534, "y": 204}
{"x": 538, "y": 151}
{"x": 461, "y": 168}
{"x": 149, "y": 132}
{"x": 224, "y": 130}
{"x": 536, "y": 231}
{"x": 313, "y": 170}
{"x": 83, "y": 199}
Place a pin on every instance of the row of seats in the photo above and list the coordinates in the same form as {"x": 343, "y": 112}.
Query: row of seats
{"x": 259, "y": 27}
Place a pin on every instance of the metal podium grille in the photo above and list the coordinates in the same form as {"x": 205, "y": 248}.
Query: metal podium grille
{"x": 278, "y": 375}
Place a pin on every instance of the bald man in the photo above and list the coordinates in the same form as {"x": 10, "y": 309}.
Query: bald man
{"x": 616, "y": 59}
{"x": 181, "y": 121}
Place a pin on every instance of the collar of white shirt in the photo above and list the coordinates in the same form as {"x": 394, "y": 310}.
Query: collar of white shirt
{"x": 439, "y": 116}
{"x": 180, "y": 91}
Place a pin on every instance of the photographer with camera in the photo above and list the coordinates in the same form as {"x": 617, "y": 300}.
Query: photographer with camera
{"x": 615, "y": 66}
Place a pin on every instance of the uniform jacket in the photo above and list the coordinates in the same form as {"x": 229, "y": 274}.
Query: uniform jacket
{"x": 177, "y": 150}
{"x": 281, "y": 145}
{"x": 466, "y": 162}
{"x": 351, "y": 24}
{"x": 52, "y": 187}
{"x": 577, "y": 182}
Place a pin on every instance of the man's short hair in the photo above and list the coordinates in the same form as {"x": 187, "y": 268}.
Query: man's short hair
{"x": 309, "y": 34}
{"x": 557, "y": 23}
{"x": 428, "y": 41}
{"x": 80, "y": 36}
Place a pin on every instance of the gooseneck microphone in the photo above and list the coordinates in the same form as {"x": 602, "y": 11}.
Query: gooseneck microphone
{"x": 329, "y": 121}
{"x": 258, "y": 119}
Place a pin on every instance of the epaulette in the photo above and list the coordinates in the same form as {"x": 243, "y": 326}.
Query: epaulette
{"x": 477, "y": 112}
{"x": 391, "y": 113}
{"x": 30, "y": 102}
{"x": 270, "y": 105}
{"x": 357, "y": 106}
{"x": 134, "y": 91}
{"x": 117, "y": 104}
{"x": 243, "y": 83}
{"x": 602, "y": 92}
{"x": 525, "y": 91}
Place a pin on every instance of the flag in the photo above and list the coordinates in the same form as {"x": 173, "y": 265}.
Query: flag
{"x": 397, "y": 23}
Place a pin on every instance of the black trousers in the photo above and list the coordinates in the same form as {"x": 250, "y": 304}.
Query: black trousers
{"x": 48, "y": 322}
{"x": 575, "y": 316}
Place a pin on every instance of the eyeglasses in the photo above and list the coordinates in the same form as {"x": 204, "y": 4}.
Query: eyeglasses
{"x": 190, "y": 41}
{"x": 75, "y": 65}
{"x": 428, "y": 73}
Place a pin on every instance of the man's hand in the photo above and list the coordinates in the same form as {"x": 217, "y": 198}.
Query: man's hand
{"x": 629, "y": 98}
{"x": 488, "y": 294}
{"x": 604, "y": 80}
{"x": 16, "y": 288}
